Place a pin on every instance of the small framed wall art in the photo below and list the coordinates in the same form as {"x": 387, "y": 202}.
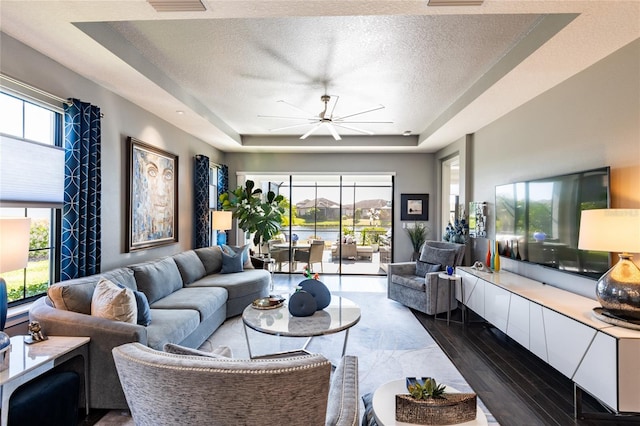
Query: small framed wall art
{"x": 414, "y": 207}
{"x": 153, "y": 196}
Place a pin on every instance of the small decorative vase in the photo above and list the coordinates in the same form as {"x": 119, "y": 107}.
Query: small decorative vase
{"x": 492, "y": 263}
{"x": 513, "y": 249}
{"x": 496, "y": 261}
{"x": 318, "y": 290}
{"x": 449, "y": 270}
{"x": 302, "y": 304}
{"x": 488, "y": 259}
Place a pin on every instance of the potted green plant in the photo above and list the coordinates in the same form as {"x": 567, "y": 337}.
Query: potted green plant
{"x": 418, "y": 235}
{"x": 257, "y": 214}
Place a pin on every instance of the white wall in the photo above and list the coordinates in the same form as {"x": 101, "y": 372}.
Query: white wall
{"x": 414, "y": 173}
{"x": 121, "y": 119}
{"x": 589, "y": 121}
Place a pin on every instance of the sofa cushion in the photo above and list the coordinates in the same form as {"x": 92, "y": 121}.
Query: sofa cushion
{"x": 231, "y": 263}
{"x": 221, "y": 352}
{"x": 73, "y": 295}
{"x": 410, "y": 281}
{"x": 237, "y": 285}
{"x": 438, "y": 256}
{"x": 190, "y": 266}
{"x": 114, "y": 302}
{"x": 171, "y": 326}
{"x": 211, "y": 258}
{"x": 144, "y": 311}
{"x": 123, "y": 276}
{"x": 204, "y": 300}
{"x": 423, "y": 268}
{"x": 158, "y": 278}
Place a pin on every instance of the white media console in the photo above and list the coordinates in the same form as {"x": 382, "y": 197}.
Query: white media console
{"x": 558, "y": 326}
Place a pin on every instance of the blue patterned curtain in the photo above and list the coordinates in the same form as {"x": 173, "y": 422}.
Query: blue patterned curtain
{"x": 201, "y": 217}
{"x": 81, "y": 235}
{"x": 223, "y": 186}
{"x": 223, "y": 182}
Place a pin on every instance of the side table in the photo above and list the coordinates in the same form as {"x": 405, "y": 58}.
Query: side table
{"x": 450, "y": 279}
{"x": 30, "y": 361}
{"x": 384, "y": 405}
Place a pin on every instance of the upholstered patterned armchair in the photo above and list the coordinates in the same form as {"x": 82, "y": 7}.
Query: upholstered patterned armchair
{"x": 169, "y": 389}
{"x": 415, "y": 284}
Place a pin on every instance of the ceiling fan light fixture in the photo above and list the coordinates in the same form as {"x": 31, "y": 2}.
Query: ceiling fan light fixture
{"x": 177, "y": 5}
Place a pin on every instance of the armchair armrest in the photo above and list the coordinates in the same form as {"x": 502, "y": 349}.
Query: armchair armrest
{"x": 343, "y": 406}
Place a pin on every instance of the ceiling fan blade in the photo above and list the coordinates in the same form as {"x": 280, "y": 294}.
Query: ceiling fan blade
{"x": 363, "y": 122}
{"x": 313, "y": 129}
{"x": 358, "y": 113}
{"x": 298, "y": 109}
{"x": 333, "y": 131}
{"x": 284, "y": 117}
{"x": 334, "y": 104}
{"x": 355, "y": 129}
{"x": 289, "y": 127}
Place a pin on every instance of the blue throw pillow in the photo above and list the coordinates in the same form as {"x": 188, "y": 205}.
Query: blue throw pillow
{"x": 142, "y": 303}
{"x": 144, "y": 312}
{"x": 423, "y": 268}
{"x": 231, "y": 250}
{"x": 231, "y": 263}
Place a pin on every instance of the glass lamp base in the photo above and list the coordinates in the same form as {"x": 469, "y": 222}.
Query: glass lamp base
{"x": 618, "y": 290}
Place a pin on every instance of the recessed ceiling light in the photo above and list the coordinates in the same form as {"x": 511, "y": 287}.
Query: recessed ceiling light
{"x": 406, "y": 133}
{"x": 179, "y": 112}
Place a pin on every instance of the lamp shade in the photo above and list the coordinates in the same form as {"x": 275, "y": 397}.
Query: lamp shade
{"x": 222, "y": 220}
{"x": 612, "y": 230}
{"x": 14, "y": 243}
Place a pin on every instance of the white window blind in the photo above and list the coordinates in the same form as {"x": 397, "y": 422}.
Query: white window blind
{"x": 31, "y": 173}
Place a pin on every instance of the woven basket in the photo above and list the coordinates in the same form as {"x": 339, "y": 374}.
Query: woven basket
{"x": 452, "y": 408}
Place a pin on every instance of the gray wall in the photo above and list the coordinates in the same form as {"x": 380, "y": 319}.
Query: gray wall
{"x": 414, "y": 173}
{"x": 121, "y": 119}
{"x": 591, "y": 120}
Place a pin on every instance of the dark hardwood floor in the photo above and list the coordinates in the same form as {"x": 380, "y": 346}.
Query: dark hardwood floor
{"x": 516, "y": 386}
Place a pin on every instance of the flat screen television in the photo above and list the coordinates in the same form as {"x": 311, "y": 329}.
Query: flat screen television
{"x": 538, "y": 221}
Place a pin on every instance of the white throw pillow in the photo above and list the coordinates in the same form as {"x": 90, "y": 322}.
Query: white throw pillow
{"x": 113, "y": 302}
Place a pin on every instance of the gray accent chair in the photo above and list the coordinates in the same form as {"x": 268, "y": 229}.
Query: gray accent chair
{"x": 169, "y": 389}
{"x": 409, "y": 284}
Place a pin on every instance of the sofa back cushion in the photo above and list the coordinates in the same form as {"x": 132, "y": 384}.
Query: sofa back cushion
{"x": 190, "y": 266}
{"x": 75, "y": 295}
{"x": 158, "y": 278}
{"x": 211, "y": 258}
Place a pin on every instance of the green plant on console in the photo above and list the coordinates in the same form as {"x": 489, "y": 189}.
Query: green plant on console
{"x": 257, "y": 215}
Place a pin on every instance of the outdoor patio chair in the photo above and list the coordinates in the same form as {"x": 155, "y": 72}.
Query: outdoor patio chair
{"x": 312, "y": 255}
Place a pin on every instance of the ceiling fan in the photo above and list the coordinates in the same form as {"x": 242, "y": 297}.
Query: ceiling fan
{"x": 326, "y": 119}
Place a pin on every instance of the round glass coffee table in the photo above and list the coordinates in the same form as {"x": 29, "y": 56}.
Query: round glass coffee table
{"x": 340, "y": 315}
{"x": 384, "y": 405}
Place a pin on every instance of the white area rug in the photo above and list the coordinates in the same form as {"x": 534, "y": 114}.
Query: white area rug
{"x": 389, "y": 341}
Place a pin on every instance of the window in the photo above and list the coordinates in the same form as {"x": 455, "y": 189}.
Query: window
{"x": 31, "y": 133}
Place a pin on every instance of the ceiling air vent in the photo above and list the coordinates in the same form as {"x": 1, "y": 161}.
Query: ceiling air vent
{"x": 455, "y": 2}
{"x": 177, "y": 5}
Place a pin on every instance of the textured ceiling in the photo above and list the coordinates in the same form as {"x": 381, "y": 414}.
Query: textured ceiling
{"x": 440, "y": 72}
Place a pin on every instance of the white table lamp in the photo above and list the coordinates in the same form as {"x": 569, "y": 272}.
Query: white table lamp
{"x": 222, "y": 221}
{"x": 14, "y": 255}
{"x": 615, "y": 230}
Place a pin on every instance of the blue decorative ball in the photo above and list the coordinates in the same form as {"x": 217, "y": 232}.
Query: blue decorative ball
{"x": 318, "y": 290}
{"x": 302, "y": 304}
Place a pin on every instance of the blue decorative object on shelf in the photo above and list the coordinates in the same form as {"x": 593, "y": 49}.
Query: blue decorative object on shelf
{"x": 449, "y": 270}
{"x": 302, "y": 304}
{"x": 318, "y": 290}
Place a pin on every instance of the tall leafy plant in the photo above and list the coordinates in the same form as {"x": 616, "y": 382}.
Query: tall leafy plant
{"x": 257, "y": 214}
{"x": 417, "y": 235}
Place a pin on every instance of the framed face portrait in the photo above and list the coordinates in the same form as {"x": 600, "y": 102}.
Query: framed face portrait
{"x": 414, "y": 206}
{"x": 152, "y": 177}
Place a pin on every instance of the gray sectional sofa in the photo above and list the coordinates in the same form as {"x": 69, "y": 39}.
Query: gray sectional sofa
{"x": 188, "y": 298}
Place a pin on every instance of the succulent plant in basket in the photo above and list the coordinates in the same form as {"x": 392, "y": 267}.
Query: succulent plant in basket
{"x": 425, "y": 388}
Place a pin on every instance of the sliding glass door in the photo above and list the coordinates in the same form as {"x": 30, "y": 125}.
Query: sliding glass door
{"x": 336, "y": 224}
